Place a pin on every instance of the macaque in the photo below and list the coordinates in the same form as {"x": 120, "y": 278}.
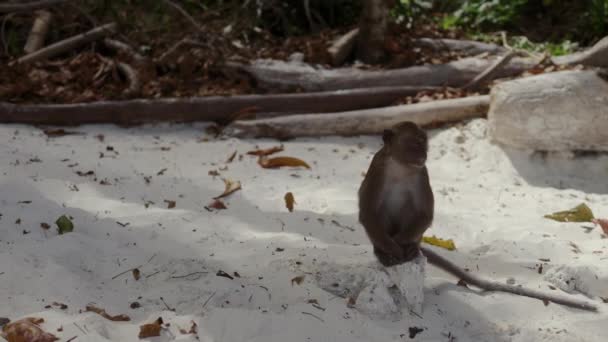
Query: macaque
{"x": 396, "y": 207}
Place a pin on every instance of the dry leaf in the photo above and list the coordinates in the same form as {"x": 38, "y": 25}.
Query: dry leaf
{"x": 136, "y": 274}
{"x": 170, "y": 204}
{"x": 217, "y": 204}
{"x": 289, "y": 201}
{"x": 297, "y": 280}
{"x": 230, "y": 187}
{"x": 104, "y": 314}
{"x": 54, "y": 133}
{"x": 435, "y": 241}
{"x": 603, "y": 223}
{"x": 266, "y": 152}
{"x": 151, "y": 329}
{"x": 231, "y": 158}
{"x": 276, "y": 162}
{"x": 351, "y": 302}
{"x": 27, "y": 330}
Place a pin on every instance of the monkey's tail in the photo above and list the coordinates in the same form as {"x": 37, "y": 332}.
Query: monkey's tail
{"x": 487, "y": 285}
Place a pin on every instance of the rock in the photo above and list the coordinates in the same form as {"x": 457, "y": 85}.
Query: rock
{"x": 561, "y": 111}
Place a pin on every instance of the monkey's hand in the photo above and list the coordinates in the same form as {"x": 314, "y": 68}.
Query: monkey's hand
{"x": 389, "y": 258}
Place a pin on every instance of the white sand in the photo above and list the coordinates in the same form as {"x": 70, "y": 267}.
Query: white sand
{"x": 491, "y": 202}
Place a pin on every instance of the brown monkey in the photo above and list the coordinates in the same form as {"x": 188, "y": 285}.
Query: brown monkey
{"x": 396, "y": 207}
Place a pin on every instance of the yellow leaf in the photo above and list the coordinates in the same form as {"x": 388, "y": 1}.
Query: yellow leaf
{"x": 435, "y": 241}
{"x": 580, "y": 213}
{"x": 276, "y": 162}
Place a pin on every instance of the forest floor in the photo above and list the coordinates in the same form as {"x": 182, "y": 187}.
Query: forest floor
{"x": 257, "y": 272}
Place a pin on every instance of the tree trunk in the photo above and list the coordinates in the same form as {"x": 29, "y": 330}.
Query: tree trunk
{"x": 372, "y": 31}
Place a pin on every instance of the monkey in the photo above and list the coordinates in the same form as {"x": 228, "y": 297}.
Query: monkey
{"x": 396, "y": 207}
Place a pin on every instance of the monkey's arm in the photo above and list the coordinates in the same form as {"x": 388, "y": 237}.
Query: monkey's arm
{"x": 488, "y": 285}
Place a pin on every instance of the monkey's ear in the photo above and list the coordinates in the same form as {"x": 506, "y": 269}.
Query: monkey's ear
{"x": 387, "y": 136}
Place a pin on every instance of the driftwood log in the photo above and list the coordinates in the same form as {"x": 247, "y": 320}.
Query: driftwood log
{"x": 273, "y": 74}
{"x": 468, "y": 47}
{"x": 595, "y": 56}
{"x": 368, "y": 121}
{"x": 213, "y": 108}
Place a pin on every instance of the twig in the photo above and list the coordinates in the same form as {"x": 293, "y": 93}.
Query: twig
{"x": 72, "y": 339}
{"x": 189, "y": 274}
{"x": 28, "y": 6}
{"x": 184, "y": 13}
{"x": 166, "y": 305}
{"x": 313, "y": 315}
{"x": 208, "y": 299}
{"x": 178, "y": 45}
{"x": 487, "y": 74}
{"x": 68, "y": 44}
{"x": 127, "y": 271}
{"x": 79, "y": 328}
{"x": 153, "y": 274}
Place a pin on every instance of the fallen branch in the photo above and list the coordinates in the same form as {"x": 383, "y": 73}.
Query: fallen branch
{"x": 28, "y": 6}
{"x": 596, "y": 56}
{"x": 469, "y": 47}
{"x": 69, "y": 44}
{"x": 131, "y": 76}
{"x": 369, "y": 121}
{"x": 124, "y": 48}
{"x": 181, "y": 10}
{"x": 213, "y": 108}
{"x": 343, "y": 47}
{"x": 487, "y": 74}
{"x": 40, "y": 28}
{"x": 273, "y": 74}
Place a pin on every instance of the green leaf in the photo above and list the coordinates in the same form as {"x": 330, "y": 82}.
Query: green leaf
{"x": 64, "y": 225}
{"x": 580, "y": 213}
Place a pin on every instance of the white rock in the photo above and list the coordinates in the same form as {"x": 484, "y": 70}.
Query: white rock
{"x": 561, "y": 111}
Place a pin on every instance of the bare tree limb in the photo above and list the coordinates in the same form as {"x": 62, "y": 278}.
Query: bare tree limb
{"x": 487, "y": 74}
{"x": 132, "y": 78}
{"x": 40, "y": 28}
{"x": 213, "y": 108}
{"x": 273, "y": 74}
{"x": 125, "y": 48}
{"x": 181, "y": 10}
{"x": 28, "y": 6}
{"x": 343, "y": 47}
{"x": 470, "y": 47}
{"x": 367, "y": 121}
{"x": 69, "y": 44}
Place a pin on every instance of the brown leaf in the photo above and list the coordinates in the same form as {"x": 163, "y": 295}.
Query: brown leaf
{"x": 45, "y": 225}
{"x": 217, "y": 204}
{"x": 230, "y": 187}
{"x": 231, "y": 158}
{"x": 266, "y": 152}
{"x": 61, "y": 305}
{"x": 603, "y": 223}
{"x": 27, "y": 330}
{"x": 54, "y": 133}
{"x": 213, "y": 173}
{"x": 297, "y": 280}
{"x": 170, "y": 204}
{"x": 351, "y": 302}
{"x": 151, "y": 329}
{"x": 289, "y": 201}
{"x": 104, "y": 314}
{"x": 136, "y": 274}
{"x": 277, "y": 162}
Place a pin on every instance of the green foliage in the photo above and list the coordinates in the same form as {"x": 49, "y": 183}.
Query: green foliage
{"x": 480, "y": 13}
{"x": 555, "y": 49}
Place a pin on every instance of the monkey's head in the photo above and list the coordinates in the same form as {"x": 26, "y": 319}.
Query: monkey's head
{"x": 406, "y": 143}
